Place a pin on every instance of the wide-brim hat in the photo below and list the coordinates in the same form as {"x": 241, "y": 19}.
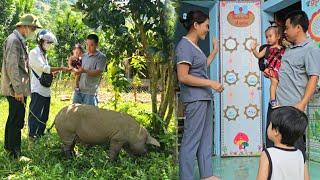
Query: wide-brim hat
{"x": 29, "y": 20}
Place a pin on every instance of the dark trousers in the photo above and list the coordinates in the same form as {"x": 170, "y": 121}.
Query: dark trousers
{"x": 38, "y": 115}
{"x": 300, "y": 143}
{"x": 15, "y": 122}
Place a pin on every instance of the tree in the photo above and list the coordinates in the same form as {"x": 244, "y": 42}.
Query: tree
{"x": 66, "y": 24}
{"x": 7, "y": 10}
{"x": 144, "y": 27}
{"x": 9, "y": 16}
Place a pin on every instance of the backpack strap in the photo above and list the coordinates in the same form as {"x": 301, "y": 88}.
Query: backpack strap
{"x": 261, "y": 62}
{"x": 267, "y": 51}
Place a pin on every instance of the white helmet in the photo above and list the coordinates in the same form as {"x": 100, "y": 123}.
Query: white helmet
{"x": 46, "y": 35}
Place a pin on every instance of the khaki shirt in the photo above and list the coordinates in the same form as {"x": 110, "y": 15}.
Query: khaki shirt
{"x": 15, "y": 72}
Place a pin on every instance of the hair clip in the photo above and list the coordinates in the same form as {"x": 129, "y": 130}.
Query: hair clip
{"x": 273, "y": 24}
{"x": 184, "y": 16}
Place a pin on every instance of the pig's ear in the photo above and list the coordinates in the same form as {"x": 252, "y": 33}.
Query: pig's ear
{"x": 153, "y": 141}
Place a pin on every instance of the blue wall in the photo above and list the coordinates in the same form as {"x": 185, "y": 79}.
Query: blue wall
{"x": 215, "y": 75}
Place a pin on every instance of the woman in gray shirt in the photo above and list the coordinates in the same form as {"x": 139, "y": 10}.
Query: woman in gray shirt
{"x": 196, "y": 94}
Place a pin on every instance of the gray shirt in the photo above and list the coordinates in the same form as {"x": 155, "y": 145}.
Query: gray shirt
{"x": 89, "y": 84}
{"x": 189, "y": 53}
{"x": 298, "y": 63}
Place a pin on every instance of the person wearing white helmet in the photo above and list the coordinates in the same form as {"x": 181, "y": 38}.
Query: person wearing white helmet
{"x": 40, "y": 90}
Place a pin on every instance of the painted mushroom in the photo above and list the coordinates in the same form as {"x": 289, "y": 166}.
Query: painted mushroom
{"x": 241, "y": 139}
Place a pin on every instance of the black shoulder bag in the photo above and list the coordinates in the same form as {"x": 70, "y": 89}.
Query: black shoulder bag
{"x": 45, "y": 79}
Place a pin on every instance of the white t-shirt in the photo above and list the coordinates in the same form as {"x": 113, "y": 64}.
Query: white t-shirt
{"x": 39, "y": 64}
{"x": 285, "y": 164}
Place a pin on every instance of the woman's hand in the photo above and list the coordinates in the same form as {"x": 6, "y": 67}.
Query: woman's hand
{"x": 66, "y": 69}
{"x": 216, "y": 86}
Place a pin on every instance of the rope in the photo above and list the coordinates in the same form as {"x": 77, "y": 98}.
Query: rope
{"x": 48, "y": 129}
{"x": 33, "y": 114}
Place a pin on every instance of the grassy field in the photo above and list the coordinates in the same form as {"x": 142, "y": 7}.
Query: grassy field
{"x": 90, "y": 163}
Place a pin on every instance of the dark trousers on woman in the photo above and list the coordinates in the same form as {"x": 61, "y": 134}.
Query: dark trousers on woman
{"x": 38, "y": 115}
{"x": 300, "y": 143}
{"x": 15, "y": 122}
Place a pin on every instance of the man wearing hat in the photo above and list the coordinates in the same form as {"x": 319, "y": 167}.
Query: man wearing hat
{"x": 15, "y": 80}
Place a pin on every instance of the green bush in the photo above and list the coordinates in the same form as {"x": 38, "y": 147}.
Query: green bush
{"x": 90, "y": 163}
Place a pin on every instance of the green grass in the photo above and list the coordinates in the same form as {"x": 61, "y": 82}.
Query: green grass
{"x": 90, "y": 163}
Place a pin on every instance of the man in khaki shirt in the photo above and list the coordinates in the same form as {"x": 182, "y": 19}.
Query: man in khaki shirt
{"x": 15, "y": 81}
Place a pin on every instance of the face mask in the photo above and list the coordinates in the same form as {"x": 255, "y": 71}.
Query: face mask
{"x": 30, "y": 34}
{"x": 46, "y": 46}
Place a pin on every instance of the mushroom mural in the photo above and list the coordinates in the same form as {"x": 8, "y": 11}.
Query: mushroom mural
{"x": 241, "y": 140}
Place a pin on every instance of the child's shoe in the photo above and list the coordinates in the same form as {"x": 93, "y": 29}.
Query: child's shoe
{"x": 274, "y": 104}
